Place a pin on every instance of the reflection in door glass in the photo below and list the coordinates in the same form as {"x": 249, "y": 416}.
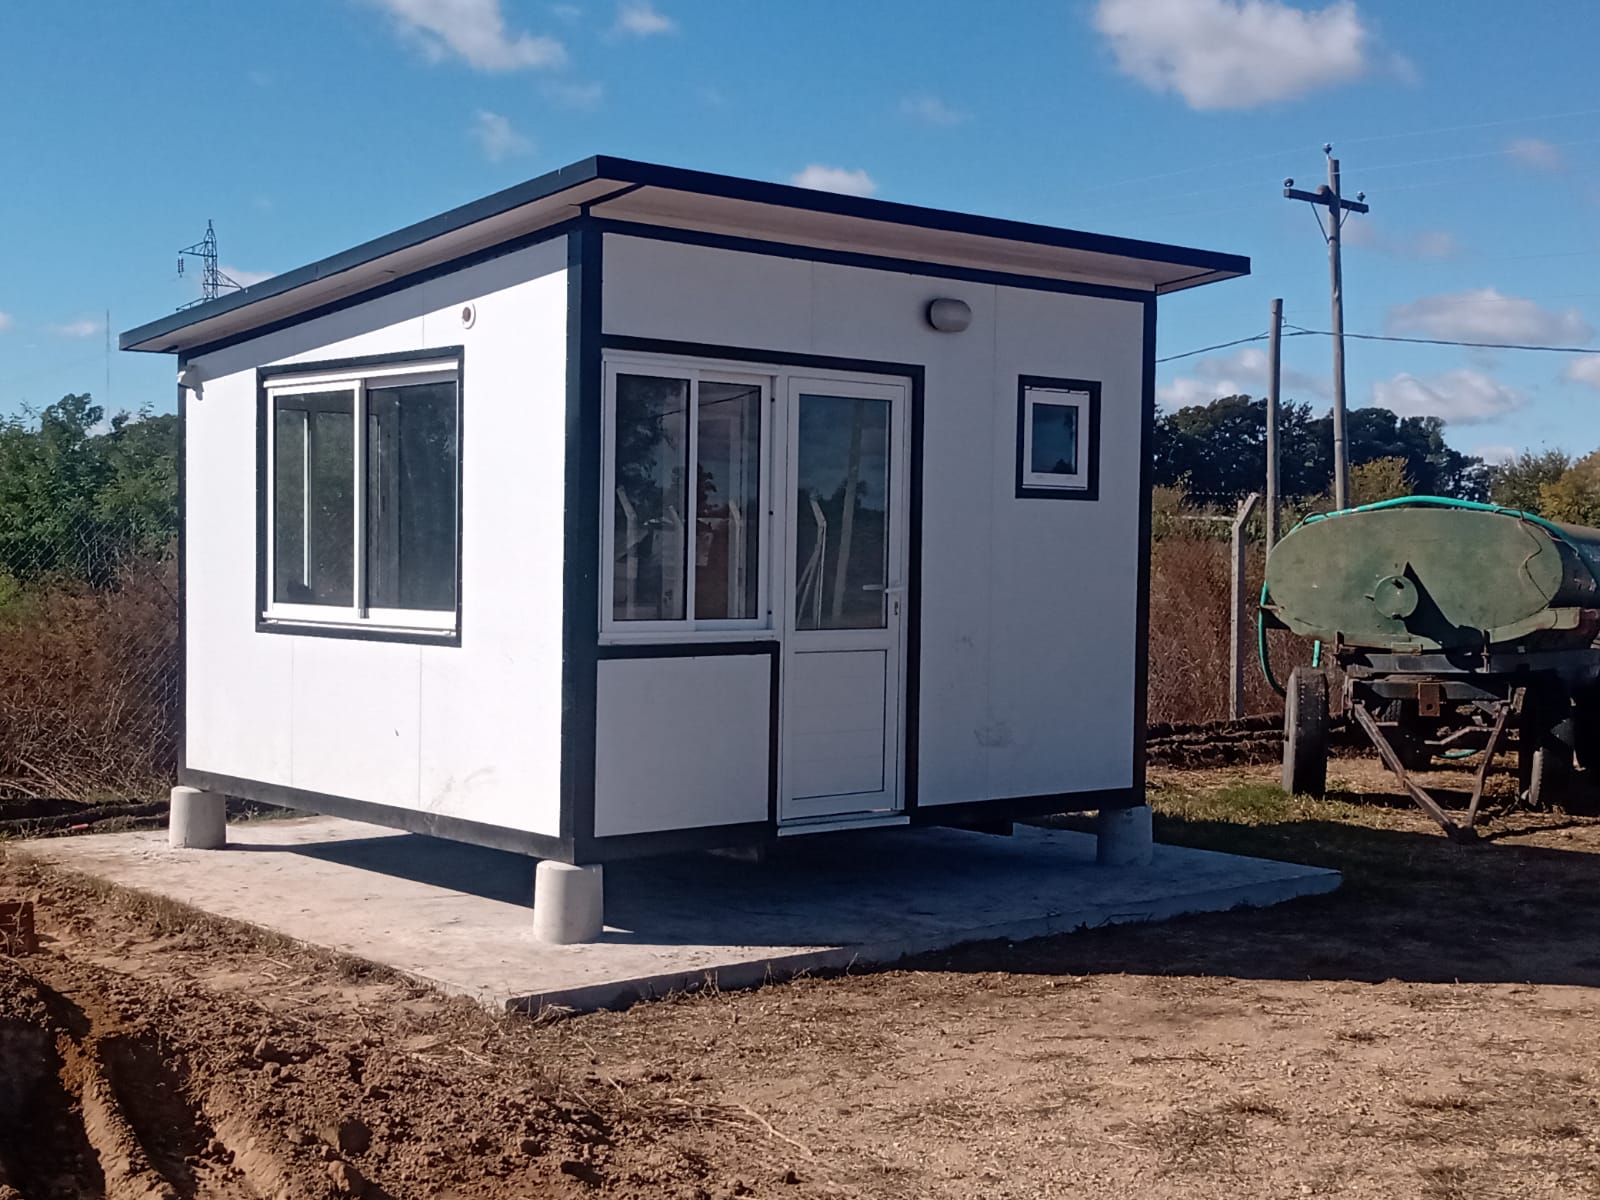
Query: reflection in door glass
{"x": 841, "y": 513}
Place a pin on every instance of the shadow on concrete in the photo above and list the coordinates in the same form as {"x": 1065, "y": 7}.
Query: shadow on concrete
{"x": 1413, "y": 907}
{"x": 455, "y": 866}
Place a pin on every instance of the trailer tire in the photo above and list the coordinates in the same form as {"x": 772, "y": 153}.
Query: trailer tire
{"x": 1544, "y": 767}
{"x": 1305, "y": 734}
{"x": 1586, "y": 733}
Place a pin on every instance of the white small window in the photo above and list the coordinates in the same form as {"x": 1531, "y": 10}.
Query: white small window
{"x": 685, "y": 498}
{"x": 1058, "y": 438}
{"x": 362, "y": 495}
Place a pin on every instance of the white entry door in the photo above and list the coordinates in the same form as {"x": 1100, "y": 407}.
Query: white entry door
{"x": 844, "y": 611}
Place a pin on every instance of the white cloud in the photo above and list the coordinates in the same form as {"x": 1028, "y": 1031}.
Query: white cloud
{"x": 1425, "y": 243}
{"x": 6, "y": 321}
{"x": 473, "y": 31}
{"x": 85, "y": 327}
{"x": 1220, "y": 54}
{"x": 497, "y": 137}
{"x": 1536, "y": 154}
{"x": 1242, "y": 373}
{"x": 639, "y": 18}
{"x": 931, "y": 110}
{"x": 1583, "y": 369}
{"x": 1462, "y": 396}
{"x": 1485, "y": 315}
{"x": 566, "y": 12}
{"x": 246, "y": 278}
{"x": 585, "y": 96}
{"x": 1495, "y": 455}
{"x": 835, "y": 179}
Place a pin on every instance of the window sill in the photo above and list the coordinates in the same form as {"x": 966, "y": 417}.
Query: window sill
{"x": 361, "y": 631}
{"x": 710, "y": 637}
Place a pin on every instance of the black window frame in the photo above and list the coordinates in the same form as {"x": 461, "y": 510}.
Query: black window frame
{"x": 447, "y": 359}
{"x": 1089, "y": 439}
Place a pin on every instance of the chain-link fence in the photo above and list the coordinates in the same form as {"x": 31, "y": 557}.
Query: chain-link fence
{"x": 89, "y": 665}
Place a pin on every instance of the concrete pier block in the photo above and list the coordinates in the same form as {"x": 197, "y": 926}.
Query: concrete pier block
{"x": 1124, "y": 837}
{"x": 198, "y": 821}
{"x": 568, "y": 903}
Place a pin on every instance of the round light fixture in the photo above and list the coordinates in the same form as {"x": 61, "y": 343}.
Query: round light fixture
{"x": 948, "y": 315}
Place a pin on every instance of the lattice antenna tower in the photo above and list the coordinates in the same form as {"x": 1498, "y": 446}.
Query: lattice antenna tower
{"x": 212, "y": 280}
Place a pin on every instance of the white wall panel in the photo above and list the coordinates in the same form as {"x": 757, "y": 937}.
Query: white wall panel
{"x": 691, "y": 293}
{"x": 681, "y": 742}
{"x": 472, "y": 731}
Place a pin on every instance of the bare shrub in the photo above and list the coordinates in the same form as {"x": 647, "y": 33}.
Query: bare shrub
{"x": 1190, "y": 625}
{"x": 89, "y": 684}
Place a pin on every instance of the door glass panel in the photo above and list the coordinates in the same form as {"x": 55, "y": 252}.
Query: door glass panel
{"x": 841, "y": 513}
{"x": 652, "y": 476}
{"x": 728, "y": 504}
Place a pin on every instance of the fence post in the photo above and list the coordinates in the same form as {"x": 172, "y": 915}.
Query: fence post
{"x": 1247, "y": 506}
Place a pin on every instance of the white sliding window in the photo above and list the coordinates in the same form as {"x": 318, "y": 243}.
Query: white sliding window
{"x": 684, "y": 543}
{"x": 363, "y": 497}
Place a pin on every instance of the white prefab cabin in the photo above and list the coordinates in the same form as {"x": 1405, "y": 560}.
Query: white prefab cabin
{"x": 635, "y": 508}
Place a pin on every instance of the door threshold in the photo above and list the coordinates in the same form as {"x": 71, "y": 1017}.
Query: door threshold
{"x": 834, "y": 824}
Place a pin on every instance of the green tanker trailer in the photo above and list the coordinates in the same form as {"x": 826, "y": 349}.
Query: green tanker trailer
{"x": 1453, "y": 624}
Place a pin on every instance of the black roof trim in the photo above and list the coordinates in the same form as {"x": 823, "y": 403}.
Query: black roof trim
{"x": 636, "y": 174}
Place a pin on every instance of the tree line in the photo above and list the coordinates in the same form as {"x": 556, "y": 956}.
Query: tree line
{"x": 80, "y": 492}
{"x": 1216, "y": 454}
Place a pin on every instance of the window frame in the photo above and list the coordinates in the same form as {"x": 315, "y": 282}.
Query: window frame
{"x": 1082, "y": 394}
{"x": 689, "y": 627}
{"x": 354, "y": 376}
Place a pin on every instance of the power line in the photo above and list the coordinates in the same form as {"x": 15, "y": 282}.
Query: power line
{"x": 1208, "y": 349}
{"x": 1302, "y": 331}
{"x": 1418, "y": 341}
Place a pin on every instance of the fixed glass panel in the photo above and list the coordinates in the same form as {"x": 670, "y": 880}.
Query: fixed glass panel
{"x": 651, "y": 477}
{"x": 728, "y": 502}
{"x": 411, "y": 497}
{"x": 1054, "y": 438}
{"x": 841, "y": 513}
{"x": 314, "y": 500}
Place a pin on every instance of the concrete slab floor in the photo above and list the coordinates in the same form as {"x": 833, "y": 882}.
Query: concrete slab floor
{"x": 460, "y": 916}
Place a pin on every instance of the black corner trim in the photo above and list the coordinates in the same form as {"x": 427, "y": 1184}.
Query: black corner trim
{"x": 456, "y": 829}
{"x": 580, "y": 616}
{"x": 354, "y": 364}
{"x": 1141, "y": 653}
{"x": 1025, "y": 491}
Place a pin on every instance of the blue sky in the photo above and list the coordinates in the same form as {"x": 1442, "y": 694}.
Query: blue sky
{"x": 304, "y": 126}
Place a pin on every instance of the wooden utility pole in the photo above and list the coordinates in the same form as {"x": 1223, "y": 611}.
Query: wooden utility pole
{"x": 1238, "y": 623}
{"x": 1274, "y": 376}
{"x": 1328, "y": 196}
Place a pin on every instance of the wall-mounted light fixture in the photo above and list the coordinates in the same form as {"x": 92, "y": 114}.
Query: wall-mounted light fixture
{"x": 189, "y": 378}
{"x": 948, "y": 315}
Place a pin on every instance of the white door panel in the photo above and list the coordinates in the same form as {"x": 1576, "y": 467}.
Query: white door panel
{"x": 845, "y": 521}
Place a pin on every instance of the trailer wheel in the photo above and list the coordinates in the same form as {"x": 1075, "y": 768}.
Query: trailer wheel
{"x": 1305, "y": 734}
{"x": 1409, "y": 741}
{"x": 1544, "y": 766}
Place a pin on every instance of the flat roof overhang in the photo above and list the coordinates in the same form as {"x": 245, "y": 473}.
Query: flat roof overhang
{"x": 646, "y": 194}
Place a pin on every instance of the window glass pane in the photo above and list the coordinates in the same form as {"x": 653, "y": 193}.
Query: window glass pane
{"x": 728, "y": 503}
{"x": 841, "y": 513}
{"x": 651, "y": 480}
{"x": 411, "y": 497}
{"x": 314, "y": 500}
{"x": 1055, "y": 439}
{"x": 289, "y": 506}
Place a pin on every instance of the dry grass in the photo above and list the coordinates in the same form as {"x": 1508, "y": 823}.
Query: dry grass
{"x": 89, "y": 686}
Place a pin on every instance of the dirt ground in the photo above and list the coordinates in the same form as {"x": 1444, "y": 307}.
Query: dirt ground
{"x": 1428, "y": 1031}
